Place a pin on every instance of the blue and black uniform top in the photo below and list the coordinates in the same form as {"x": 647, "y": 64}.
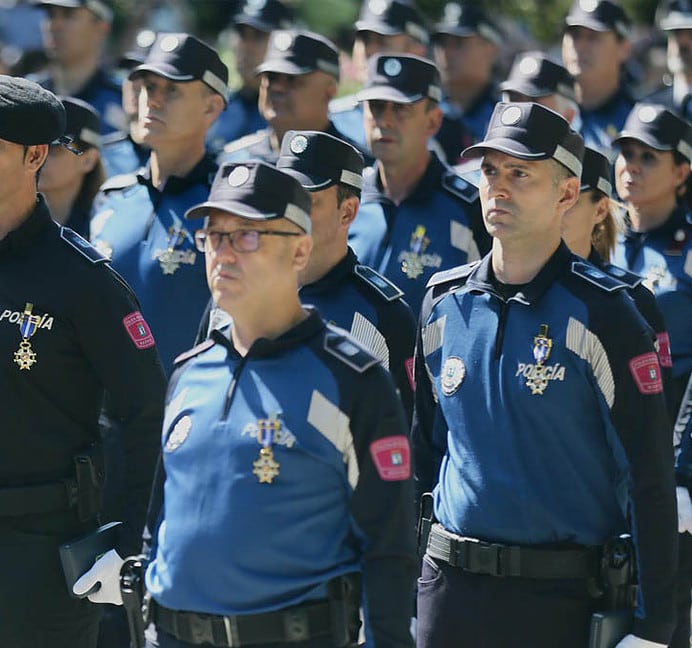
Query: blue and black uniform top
{"x": 240, "y": 118}
{"x": 232, "y": 540}
{"x": 540, "y": 418}
{"x": 121, "y": 155}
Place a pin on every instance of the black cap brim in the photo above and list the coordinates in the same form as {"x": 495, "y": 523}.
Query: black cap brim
{"x": 230, "y": 206}
{"x": 646, "y": 138}
{"x": 164, "y": 70}
{"x": 504, "y": 145}
{"x": 283, "y": 67}
{"x": 377, "y": 28}
{"x": 595, "y": 25}
{"x": 526, "y": 88}
{"x": 387, "y": 93}
{"x": 309, "y": 181}
{"x": 250, "y": 21}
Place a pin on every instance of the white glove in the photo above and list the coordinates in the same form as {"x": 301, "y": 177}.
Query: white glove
{"x": 630, "y": 641}
{"x": 684, "y": 509}
{"x": 105, "y": 574}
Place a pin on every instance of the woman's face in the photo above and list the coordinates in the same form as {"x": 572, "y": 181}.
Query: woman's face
{"x": 63, "y": 168}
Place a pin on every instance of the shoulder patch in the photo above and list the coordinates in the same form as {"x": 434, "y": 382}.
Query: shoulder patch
{"x": 630, "y": 279}
{"x": 86, "y": 249}
{"x": 340, "y": 344}
{"x": 459, "y": 187}
{"x": 196, "y": 350}
{"x": 121, "y": 181}
{"x": 343, "y": 104}
{"x": 458, "y": 274}
{"x": 382, "y": 285}
{"x": 247, "y": 140}
{"x": 597, "y": 277}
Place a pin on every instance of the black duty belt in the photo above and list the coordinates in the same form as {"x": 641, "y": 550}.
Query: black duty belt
{"x": 494, "y": 559}
{"x": 294, "y": 624}
{"x": 39, "y": 498}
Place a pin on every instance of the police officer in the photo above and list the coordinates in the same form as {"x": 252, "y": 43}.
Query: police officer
{"x": 595, "y": 47}
{"x": 285, "y": 452}
{"x": 540, "y": 418}
{"x": 138, "y": 218}
{"x": 298, "y": 78}
{"x": 417, "y": 216}
{"x": 251, "y": 26}
{"x": 383, "y": 27}
{"x": 70, "y": 331}
{"x": 75, "y": 34}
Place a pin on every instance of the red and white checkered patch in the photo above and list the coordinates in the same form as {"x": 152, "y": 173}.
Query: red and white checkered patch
{"x": 138, "y": 330}
{"x": 663, "y": 348}
{"x": 392, "y": 458}
{"x": 647, "y": 373}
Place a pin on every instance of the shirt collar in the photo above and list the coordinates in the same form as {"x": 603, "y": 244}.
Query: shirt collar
{"x": 333, "y": 277}
{"x": 428, "y": 183}
{"x": 202, "y": 173}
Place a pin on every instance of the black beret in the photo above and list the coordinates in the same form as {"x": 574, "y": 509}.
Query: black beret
{"x": 391, "y": 17}
{"x": 264, "y": 15}
{"x": 257, "y": 191}
{"x": 401, "y": 78}
{"x": 319, "y": 160}
{"x": 529, "y": 131}
{"x": 599, "y": 15}
{"x": 83, "y": 122}
{"x": 596, "y": 172}
{"x": 535, "y": 75}
{"x": 29, "y": 114}
{"x": 300, "y": 52}
{"x": 465, "y": 19}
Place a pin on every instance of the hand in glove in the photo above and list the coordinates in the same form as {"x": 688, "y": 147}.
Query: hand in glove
{"x": 630, "y": 641}
{"x": 684, "y": 509}
{"x": 105, "y": 575}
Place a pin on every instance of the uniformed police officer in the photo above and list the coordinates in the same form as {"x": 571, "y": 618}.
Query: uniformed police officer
{"x": 70, "y": 331}
{"x": 251, "y": 26}
{"x": 138, "y": 218}
{"x": 298, "y": 78}
{"x": 595, "y": 47}
{"x": 285, "y": 451}
{"x": 540, "y": 420}
{"x": 417, "y": 216}
{"x": 75, "y": 34}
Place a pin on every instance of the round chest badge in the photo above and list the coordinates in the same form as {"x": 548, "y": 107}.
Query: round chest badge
{"x": 392, "y": 67}
{"x": 239, "y": 176}
{"x": 646, "y": 114}
{"x": 298, "y": 144}
{"x": 178, "y": 434}
{"x": 528, "y": 65}
{"x": 170, "y": 43}
{"x": 452, "y": 375}
{"x": 511, "y": 116}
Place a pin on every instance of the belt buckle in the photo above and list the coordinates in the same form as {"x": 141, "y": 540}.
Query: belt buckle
{"x": 296, "y": 625}
{"x": 483, "y": 558}
{"x": 201, "y": 628}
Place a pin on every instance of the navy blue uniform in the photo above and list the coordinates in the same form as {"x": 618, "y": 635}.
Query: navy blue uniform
{"x": 600, "y": 125}
{"x": 527, "y": 430}
{"x": 121, "y": 155}
{"x": 340, "y": 502}
{"x": 89, "y": 340}
{"x": 150, "y": 243}
{"x": 474, "y": 120}
{"x": 241, "y": 117}
{"x": 437, "y": 226}
{"x": 346, "y": 113}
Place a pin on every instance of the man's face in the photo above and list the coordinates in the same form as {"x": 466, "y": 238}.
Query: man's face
{"x": 680, "y": 51}
{"x": 250, "y": 47}
{"x": 400, "y": 131}
{"x": 72, "y": 34}
{"x": 296, "y": 102}
{"x": 173, "y": 112}
{"x": 464, "y": 59}
{"x": 593, "y": 57}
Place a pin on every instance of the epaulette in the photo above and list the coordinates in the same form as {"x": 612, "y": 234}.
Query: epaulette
{"x": 597, "y": 277}
{"x": 86, "y": 249}
{"x": 343, "y": 104}
{"x": 118, "y": 182}
{"x": 459, "y": 187}
{"x": 630, "y": 279}
{"x": 246, "y": 140}
{"x": 340, "y": 344}
{"x": 196, "y": 350}
{"x": 382, "y": 285}
{"x": 453, "y": 275}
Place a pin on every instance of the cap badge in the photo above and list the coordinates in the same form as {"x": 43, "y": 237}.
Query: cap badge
{"x": 452, "y": 12}
{"x": 511, "y": 116}
{"x": 647, "y": 114}
{"x": 298, "y": 144}
{"x": 392, "y": 67}
{"x": 239, "y": 176}
{"x": 529, "y": 65}
{"x": 170, "y": 43}
{"x": 537, "y": 380}
{"x": 146, "y": 38}
{"x": 283, "y": 41}
{"x": 255, "y": 6}
{"x": 377, "y": 7}
{"x": 452, "y": 375}
{"x": 588, "y": 5}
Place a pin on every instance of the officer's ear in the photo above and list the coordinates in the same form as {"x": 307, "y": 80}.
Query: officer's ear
{"x": 213, "y": 105}
{"x": 330, "y": 87}
{"x": 301, "y": 252}
{"x": 35, "y": 155}
{"x": 89, "y": 159}
{"x": 569, "y": 188}
{"x": 433, "y": 113}
{"x": 348, "y": 210}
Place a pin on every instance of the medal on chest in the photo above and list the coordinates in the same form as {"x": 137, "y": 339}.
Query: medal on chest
{"x": 25, "y": 356}
{"x": 169, "y": 259}
{"x": 411, "y": 261}
{"x": 265, "y": 467}
{"x": 542, "y": 345}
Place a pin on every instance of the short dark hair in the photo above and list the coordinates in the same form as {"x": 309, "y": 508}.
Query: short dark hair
{"x": 343, "y": 192}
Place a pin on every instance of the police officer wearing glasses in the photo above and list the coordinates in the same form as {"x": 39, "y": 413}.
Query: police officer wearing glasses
{"x": 287, "y": 468}
{"x": 540, "y": 422}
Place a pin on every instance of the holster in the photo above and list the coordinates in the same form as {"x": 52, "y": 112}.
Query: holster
{"x": 344, "y": 593}
{"x": 426, "y": 519}
{"x": 134, "y": 599}
{"x": 618, "y": 573}
{"x": 90, "y": 476}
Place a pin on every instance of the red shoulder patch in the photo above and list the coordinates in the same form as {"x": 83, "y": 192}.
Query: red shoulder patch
{"x": 647, "y": 373}
{"x": 663, "y": 348}
{"x": 138, "y": 330}
{"x": 392, "y": 458}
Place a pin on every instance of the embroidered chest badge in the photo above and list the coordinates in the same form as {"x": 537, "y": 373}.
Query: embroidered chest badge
{"x": 542, "y": 345}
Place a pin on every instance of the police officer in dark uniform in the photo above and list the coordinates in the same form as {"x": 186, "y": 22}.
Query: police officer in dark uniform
{"x": 71, "y": 332}
{"x": 540, "y": 421}
{"x": 285, "y": 449}
{"x": 76, "y": 32}
{"x": 251, "y": 24}
{"x": 298, "y": 78}
{"x": 138, "y": 218}
{"x": 416, "y": 216}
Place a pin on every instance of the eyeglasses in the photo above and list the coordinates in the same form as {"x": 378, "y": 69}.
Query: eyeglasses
{"x": 241, "y": 240}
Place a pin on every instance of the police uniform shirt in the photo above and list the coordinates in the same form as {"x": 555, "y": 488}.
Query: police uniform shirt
{"x": 663, "y": 258}
{"x": 555, "y": 399}
{"x": 437, "y": 226}
{"x": 346, "y": 114}
{"x": 150, "y": 243}
{"x": 240, "y": 118}
{"x": 475, "y": 120}
{"x": 600, "y": 125}
{"x": 121, "y": 155}
{"x": 340, "y": 503}
{"x": 70, "y": 329}
{"x": 103, "y": 91}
